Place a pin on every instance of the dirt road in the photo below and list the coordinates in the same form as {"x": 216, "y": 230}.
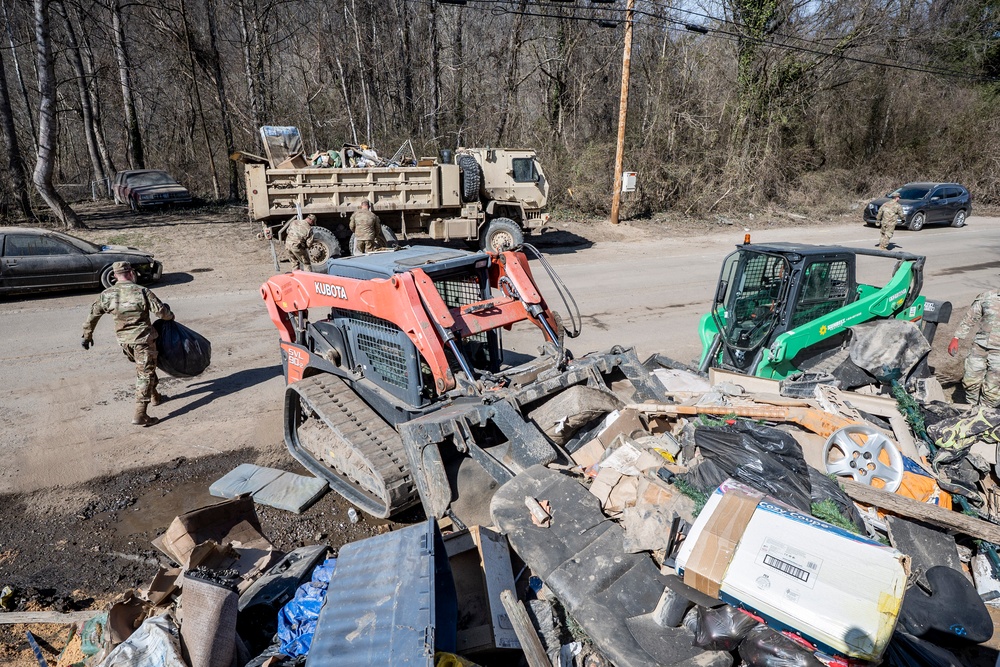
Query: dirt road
{"x": 82, "y": 491}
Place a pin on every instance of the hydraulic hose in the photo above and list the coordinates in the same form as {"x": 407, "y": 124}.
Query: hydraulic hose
{"x": 569, "y": 303}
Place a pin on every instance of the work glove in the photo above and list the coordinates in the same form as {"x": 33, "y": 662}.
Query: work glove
{"x": 86, "y": 342}
{"x": 953, "y": 347}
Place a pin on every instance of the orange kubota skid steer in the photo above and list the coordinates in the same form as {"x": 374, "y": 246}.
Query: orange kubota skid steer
{"x": 395, "y": 370}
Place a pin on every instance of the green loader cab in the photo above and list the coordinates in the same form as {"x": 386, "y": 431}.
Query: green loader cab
{"x": 781, "y": 308}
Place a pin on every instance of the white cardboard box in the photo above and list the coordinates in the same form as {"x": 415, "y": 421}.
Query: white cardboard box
{"x": 839, "y": 591}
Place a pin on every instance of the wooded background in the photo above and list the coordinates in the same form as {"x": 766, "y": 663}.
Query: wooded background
{"x": 734, "y": 103}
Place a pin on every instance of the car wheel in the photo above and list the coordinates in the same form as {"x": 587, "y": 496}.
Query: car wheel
{"x": 869, "y": 223}
{"x": 501, "y": 234}
{"x": 959, "y": 220}
{"x": 108, "y": 277}
{"x": 917, "y": 222}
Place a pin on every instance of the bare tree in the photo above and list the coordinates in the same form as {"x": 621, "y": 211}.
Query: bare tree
{"x": 47, "y": 130}
{"x": 15, "y": 162}
{"x": 136, "y": 153}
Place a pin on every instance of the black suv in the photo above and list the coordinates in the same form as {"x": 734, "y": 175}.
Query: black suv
{"x": 925, "y": 203}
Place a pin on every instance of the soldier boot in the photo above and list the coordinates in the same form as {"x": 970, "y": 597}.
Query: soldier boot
{"x": 141, "y": 418}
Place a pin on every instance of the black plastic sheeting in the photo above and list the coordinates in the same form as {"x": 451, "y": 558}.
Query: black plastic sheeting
{"x": 907, "y": 651}
{"x": 762, "y": 457}
{"x": 181, "y": 352}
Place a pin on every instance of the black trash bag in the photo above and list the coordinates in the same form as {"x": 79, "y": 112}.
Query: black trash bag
{"x": 765, "y": 647}
{"x": 722, "y": 628}
{"x": 824, "y": 488}
{"x": 705, "y": 477}
{"x": 907, "y": 651}
{"x": 181, "y": 352}
{"x": 765, "y": 458}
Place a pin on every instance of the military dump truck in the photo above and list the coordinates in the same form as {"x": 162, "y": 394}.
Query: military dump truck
{"x": 489, "y": 195}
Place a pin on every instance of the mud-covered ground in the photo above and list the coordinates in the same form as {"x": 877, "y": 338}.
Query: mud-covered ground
{"x": 83, "y": 492}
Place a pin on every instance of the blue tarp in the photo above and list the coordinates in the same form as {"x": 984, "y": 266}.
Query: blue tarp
{"x": 297, "y": 619}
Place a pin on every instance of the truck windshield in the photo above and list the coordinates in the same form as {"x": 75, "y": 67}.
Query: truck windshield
{"x": 524, "y": 170}
{"x": 752, "y": 290}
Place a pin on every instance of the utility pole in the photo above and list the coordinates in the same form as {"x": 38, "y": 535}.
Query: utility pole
{"x": 616, "y": 200}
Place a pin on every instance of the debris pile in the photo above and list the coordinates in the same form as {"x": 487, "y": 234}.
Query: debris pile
{"x": 738, "y": 521}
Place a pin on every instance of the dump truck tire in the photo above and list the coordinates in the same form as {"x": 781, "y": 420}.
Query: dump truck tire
{"x": 471, "y": 177}
{"x": 501, "y": 234}
{"x": 324, "y": 246}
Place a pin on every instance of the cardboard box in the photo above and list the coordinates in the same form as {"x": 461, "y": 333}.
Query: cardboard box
{"x": 840, "y": 591}
{"x": 589, "y": 454}
{"x": 480, "y": 564}
{"x": 624, "y": 422}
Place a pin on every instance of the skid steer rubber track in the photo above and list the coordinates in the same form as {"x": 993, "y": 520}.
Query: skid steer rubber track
{"x": 339, "y": 438}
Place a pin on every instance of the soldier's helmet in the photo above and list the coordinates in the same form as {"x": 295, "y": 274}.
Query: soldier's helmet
{"x": 895, "y": 195}
{"x": 311, "y": 217}
{"x": 121, "y": 267}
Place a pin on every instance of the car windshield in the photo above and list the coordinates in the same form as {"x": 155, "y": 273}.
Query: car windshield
{"x": 86, "y": 246}
{"x": 149, "y": 178}
{"x": 911, "y": 193}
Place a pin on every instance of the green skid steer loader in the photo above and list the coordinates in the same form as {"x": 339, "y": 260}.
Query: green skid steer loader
{"x": 782, "y": 308}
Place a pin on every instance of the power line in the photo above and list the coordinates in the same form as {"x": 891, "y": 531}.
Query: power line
{"x": 501, "y": 7}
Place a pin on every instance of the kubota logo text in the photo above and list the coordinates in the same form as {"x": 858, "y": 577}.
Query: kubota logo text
{"x": 327, "y": 289}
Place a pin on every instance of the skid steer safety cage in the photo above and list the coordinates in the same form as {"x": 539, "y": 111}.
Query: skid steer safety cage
{"x": 389, "y": 357}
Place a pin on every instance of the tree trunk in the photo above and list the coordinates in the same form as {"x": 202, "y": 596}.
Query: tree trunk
{"x": 86, "y": 107}
{"x": 136, "y": 157}
{"x": 458, "y": 64}
{"x": 509, "y": 93}
{"x": 435, "y": 82}
{"x": 47, "y": 128}
{"x": 251, "y": 66}
{"x": 20, "y": 77}
{"x": 406, "y": 68}
{"x": 15, "y": 163}
{"x": 87, "y": 54}
{"x": 220, "y": 89}
{"x": 361, "y": 69}
{"x": 197, "y": 99}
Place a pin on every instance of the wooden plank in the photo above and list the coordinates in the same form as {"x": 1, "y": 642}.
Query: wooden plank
{"x": 932, "y": 514}
{"x": 19, "y": 617}
{"x": 534, "y": 652}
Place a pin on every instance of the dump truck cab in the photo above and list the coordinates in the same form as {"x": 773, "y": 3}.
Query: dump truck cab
{"x": 512, "y": 179}
{"x": 780, "y": 308}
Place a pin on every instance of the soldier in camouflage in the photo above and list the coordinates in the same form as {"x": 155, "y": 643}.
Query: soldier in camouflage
{"x": 367, "y": 229}
{"x": 132, "y": 305}
{"x": 982, "y": 366}
{"x": 889, "y": 215}
{"x": 300, "y": 233}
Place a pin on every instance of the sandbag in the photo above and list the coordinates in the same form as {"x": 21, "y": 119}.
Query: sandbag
{"x": 762, "y": 457}
{"x": 181, "y": 352}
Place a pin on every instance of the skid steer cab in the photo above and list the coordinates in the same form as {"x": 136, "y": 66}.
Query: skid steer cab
{"x": 399, "y": 390}
{"x": 781, "y": 308}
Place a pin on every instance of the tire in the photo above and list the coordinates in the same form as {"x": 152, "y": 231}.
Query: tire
{"x": 390, "y": 240}
{"x": 108, "y": 277}
{"x": 870, "y": 224}
{"x": 917, "y": 222}
{"x": 471, "y": 177}
{"x": 959, "y": 219}
{"x": 324, "y": 246}
{"x": 501, "y": 234}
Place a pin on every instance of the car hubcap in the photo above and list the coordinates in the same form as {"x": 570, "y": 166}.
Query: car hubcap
{"x": 502, "y": 241}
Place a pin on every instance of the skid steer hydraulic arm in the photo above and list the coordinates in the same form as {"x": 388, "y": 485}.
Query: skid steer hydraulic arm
{"x": 411, "y": 301}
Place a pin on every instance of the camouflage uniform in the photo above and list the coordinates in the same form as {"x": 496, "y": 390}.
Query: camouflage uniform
{"x": 300, "y": 233}
{"x": 131, "y": 306}
{"x": 982, "y": 366}
{"x": 367, "y": 230}
{"x": 889, "y": 215}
